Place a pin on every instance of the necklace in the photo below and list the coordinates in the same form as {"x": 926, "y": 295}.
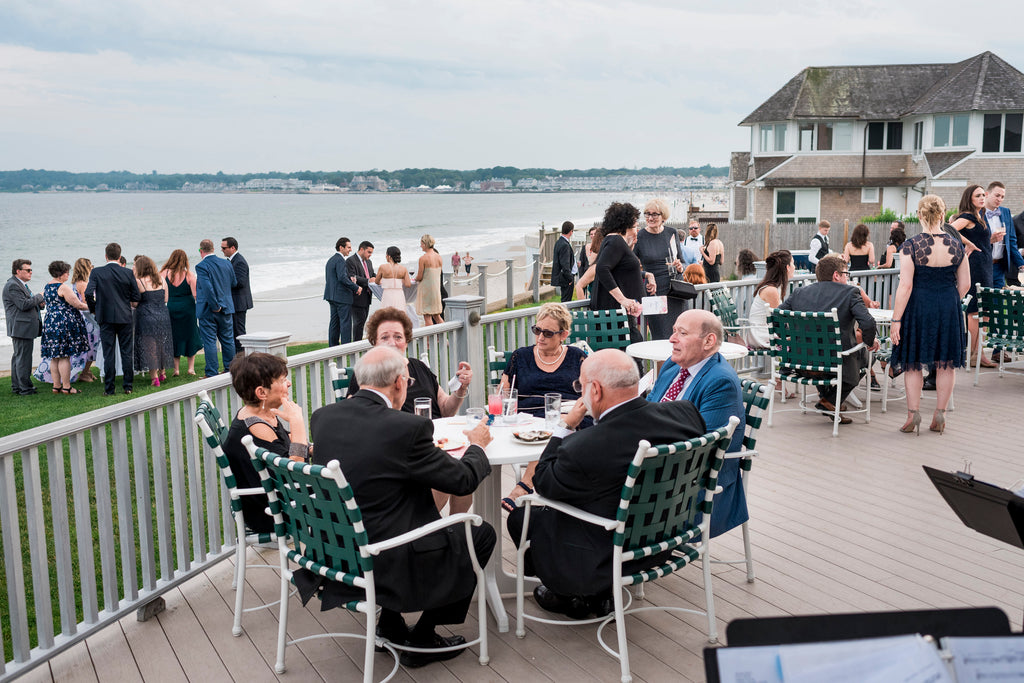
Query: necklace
{"x": 540, "y": 358}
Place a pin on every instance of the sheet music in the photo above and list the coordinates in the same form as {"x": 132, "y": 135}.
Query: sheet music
{"x": 987, "y": 659}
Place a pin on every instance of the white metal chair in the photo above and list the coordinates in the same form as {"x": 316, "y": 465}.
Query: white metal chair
{"x": 340, "y": 379}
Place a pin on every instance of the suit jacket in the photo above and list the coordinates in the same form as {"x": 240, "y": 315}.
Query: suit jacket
{"x": 717, "y": 394}
{"x": 846, "y": 299}
{"x": 587, "y": 469}
{"x": 339, "y": 288}
{"x": 241, "y": 295}
{"x": 110, "y": 291}
{"x": 392, "y": 468}
{"x": 22, "y": 310}
{"x": 1010, "y": 240}
{"x": 1018, "y": 229}
{"x": 355, "y": 268}
{"x": 561, "y": 264}
{"x": 214, "y": 279}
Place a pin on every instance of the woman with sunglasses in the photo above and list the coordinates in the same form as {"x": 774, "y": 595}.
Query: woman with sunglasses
{"x": 660, "y": 254}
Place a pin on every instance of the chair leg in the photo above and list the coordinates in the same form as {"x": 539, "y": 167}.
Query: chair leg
{"x": 371, "y": 642}
{"x": 709, "y": 596}
{"x": 282, "y": 625}
{"x": 481, "y": 606}
{"x": 620, "y": 629}
{"x": 747, "y": 553}
{"x": 520, "y": 587}
{"x": 240, "y": 555}
{"x": 771, "y": 400}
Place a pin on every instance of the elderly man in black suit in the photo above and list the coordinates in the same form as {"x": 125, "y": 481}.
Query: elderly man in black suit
{"x": 360, "y": 267}
{"x": 241, "y": 294}
{"x": 587, "y": 469}
{"x": 21, "y": 308}
{"x": 392, "y": 468}
{"x": 833, "y": 290}
{"x": 563, "y": 264}
{"x": 110, "y": 294}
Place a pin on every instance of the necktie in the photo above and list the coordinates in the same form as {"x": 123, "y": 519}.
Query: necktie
{"x": 365, "y": 269}
{"x": 676, "y": 388}
{"x": 989, "y": 213}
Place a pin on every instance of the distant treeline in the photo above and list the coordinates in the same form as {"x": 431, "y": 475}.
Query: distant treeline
{"x": 29, "y": 179}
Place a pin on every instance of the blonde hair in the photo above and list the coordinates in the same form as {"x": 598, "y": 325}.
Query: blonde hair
{"x": 427, "y": 241}
{"x": 83, "y": 267}
{"x": 660, "y": 205}
{"x": 931, "y": 209}
{"x": 557, "y": 312}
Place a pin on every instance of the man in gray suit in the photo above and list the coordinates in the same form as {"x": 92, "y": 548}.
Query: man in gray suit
{"x": 833, "y": 290}
{"x": 21, "y": 307}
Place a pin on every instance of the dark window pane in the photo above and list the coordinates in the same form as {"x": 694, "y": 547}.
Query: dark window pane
{"x": 895, "y": 136}
{"x": 824, "y": 136}
{"x": 876, "y": 135}
{"x": 785, "y": 202}
{"x": 990, "y": 140}
{"x": 1011, "y": 138}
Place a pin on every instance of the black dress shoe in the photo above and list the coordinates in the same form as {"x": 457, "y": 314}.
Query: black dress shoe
{"x": 929, "y": 384}
{"x": 108, "y": 393}
{"x": 601, "y": 605}
{"x": 396, "y": 638}
{"x": 28, "y": 392}
{"x": 572, "y": 606}
{"x": 414, "y": 660}
{"x": 127, "y": 390}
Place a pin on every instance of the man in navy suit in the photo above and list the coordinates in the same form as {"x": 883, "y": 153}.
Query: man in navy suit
{"x": 563, "y": 264}
{"x": 698, "y": 373}
{"x": 998, "y": 218}
{"x": 339, "y": 290}
{"x": 241, "y": 295}
{"x": 214, "y": 307}
{"x": 361, "y": 269}
{"x": 109, "y": 295}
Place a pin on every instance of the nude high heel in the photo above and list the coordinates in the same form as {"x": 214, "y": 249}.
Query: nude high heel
{"x": 913, "y": 423}
{"x": 938, "y": 421}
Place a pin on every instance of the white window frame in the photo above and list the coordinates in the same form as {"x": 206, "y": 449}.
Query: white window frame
{"x": 870, "y": 195}
{"x": 814, "y": 143}
{"x": 951, "y": 130}
{"x": 918, "y": 148}
{"x": 794, "y": 217}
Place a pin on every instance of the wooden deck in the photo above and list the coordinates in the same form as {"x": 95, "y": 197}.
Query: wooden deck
{"x": 839, "y": 525}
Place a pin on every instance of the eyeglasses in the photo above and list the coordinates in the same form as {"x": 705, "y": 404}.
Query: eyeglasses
{"x": 651, "y": 214}
{"x": 548, "y": 334}
{"x": 409, "y": 381}
{"x": 27, "y": 270}
{"x": 842, "y": 272}
{"x": 577, "y": 386}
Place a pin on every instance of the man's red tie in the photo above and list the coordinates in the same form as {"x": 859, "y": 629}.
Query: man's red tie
{"x": 365, "y": 269}
{"x": 676, "y": 388}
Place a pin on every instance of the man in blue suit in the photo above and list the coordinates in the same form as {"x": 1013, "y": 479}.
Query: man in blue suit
{"x": 698, "y": 373}
{"x": 999, "y": 218}
{"x": 214, "y": 306}
{"x": 339, "y": 293}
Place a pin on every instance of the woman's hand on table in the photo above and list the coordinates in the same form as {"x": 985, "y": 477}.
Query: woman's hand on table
{"x": 479, "y": 435}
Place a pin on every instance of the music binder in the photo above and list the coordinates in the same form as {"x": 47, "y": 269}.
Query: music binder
{"x": 988, "y": 509}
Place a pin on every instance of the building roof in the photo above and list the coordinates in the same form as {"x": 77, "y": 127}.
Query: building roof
{"x": 898, "y": 181}
{"x": 983, "y": 82}
{"x": 940, "y": 161}
{"x": 764, "y": 165}
{"x": 738, "y": 166}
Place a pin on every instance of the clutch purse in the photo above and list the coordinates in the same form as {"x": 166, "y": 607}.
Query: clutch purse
{"x": 681, "y": 289}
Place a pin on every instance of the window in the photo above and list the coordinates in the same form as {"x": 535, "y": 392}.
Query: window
{"x": 869, "y": 195}
{"x": 826, "y": 137}
{"x": 951, "y": 130}
{"x": 885, "y": 135}
{"x": 918, "y": 137}
{"x": 773, "y": 137}
{"x": 796, "y": 206}
{"x": 1002, "y": 132}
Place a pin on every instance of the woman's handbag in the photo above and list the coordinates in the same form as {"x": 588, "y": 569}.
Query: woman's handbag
{"x": 681, "y": 289}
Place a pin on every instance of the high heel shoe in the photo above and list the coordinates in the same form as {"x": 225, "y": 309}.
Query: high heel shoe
{"x": 938, "y": 421}
{"x": 156, "y": 381}
{"x": 913, "y": 423}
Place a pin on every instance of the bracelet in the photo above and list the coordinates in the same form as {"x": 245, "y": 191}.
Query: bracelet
{"x": 895, "y": 321}
{"x": 523, "y": 486}
{"x": 464, "y": 394}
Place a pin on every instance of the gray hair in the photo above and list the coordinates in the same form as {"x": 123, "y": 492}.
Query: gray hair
{"x": 380, "y": 367}
{"x": 615, "y": 371}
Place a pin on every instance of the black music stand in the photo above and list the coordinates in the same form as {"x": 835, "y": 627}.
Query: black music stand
{"x": 987, "y": 509}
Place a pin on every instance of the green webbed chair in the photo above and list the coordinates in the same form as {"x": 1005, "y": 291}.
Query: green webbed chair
{"x": 340, "y": 379}
{"x": 605, "y": 329}
{"x": 1001, "y": 316}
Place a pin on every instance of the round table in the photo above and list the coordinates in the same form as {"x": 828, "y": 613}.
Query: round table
{"x": 661, "y": 349}
{"x": 881, "y": 315}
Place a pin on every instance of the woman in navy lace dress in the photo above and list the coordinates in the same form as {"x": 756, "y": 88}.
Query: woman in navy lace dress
{"x": 927, "y": 325}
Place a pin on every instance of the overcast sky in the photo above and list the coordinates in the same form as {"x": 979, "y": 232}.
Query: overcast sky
{"x": 219, "y": 85}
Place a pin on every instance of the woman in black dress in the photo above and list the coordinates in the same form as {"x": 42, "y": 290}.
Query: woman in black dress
{"x": 262, "y": 381}
{"x": 712, "y": 254}
{"x": 659, "y": 252}
{"x": 859, "y": 251}
{"x": 927, "y": 326}
{"x": 619, "y": 279}
{"x": 897, "y": 236}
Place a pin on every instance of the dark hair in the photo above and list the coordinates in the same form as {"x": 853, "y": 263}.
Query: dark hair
{"x": 231, "y": 241}
{"x": 595, "y": 240}
{"x": 745, "y": 262}
{"x": 255, "y": 370}
{"x": 994, "y": 184}
{"x": 365, "y": 245}
{"x": 342, "y": 241}
{"x": 901, "y": 225}
{"x": 18, "y": 264}
{"x": 395, "y": 254}
{"x": 776, "y": 271}
{"x": 965, "y": 201}
{"x": 829, "y": 266}
{"x": 384, "y": 315}
{"x": 860, "y": 235}
{"x": 897, "y": 236}
{"x": 146, "y": 268}
{"x": 619, "y": 217}
{"x": 112, "y": 251}
{"x": 58, "y": 268}
{"x": 567, "y": 228}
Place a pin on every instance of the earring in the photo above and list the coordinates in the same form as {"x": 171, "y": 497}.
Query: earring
{"x": 263, "y": 406}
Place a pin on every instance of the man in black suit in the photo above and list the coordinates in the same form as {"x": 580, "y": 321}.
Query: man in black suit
{"x": 562, "y": 263}
{"x": 110, "y": 294}
{"x": 21, "y": 309}
{"x": 392, "y": 465}
{"x": 361, "y": 269}
{"x": 833, "y": 290}
{"x": 339, "y": 290}
{"x": 587, "y": 469}
{"x": 241, "y": 295}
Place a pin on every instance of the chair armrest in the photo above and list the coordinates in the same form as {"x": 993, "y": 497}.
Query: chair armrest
{"x": 597, "y": 520}
{"x": 255, "y": 491}
{"x": 740, "y": 455}
{"x": 425, "y": 530}
{"x": 850, "y": 350}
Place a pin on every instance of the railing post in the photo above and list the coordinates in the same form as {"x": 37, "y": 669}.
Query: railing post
{"x": 469, "y": 343}
{"x": 446, "y": 281}
{"x": 482, "y": 283}
{"x": 510, "y": 283}
{"x": 536, "y": 278}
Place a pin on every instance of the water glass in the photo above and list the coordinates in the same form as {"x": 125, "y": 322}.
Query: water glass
{"x": 552, "y": 409}
{"x": 475, "y": 416}
{"x": 509, "y": 405}
{"x": 421, "y": 406}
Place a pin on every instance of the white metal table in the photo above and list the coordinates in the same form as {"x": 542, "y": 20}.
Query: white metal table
{"x": 661, "y": 349}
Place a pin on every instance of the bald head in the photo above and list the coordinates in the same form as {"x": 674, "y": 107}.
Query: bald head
{"x": 696, "y": 335}
{"x": 609, "y": 377}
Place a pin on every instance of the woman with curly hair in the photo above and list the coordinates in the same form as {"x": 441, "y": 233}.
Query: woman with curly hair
{"x": 619, "y": 279}
{"x": 745, "y": 269}
{"x": 897, "y": 236}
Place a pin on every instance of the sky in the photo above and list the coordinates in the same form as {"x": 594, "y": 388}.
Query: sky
{"x": 205, "y": 86}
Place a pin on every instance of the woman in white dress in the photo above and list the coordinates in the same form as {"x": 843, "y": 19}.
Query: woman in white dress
{"x": 393, "y": 279}
{"x": 768, "y": 295}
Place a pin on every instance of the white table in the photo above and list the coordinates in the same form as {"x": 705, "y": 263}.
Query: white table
{"x": 661, "y": 349}
{"x": 503, "y": 450}
{"x": 881, "y": 315}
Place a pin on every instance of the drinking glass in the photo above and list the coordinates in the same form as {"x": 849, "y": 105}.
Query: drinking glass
{"x": 552, "y": 409}
{"x": 494, "y": 399}
{"x": 475, "y": 416}
{"x": 509, "y": 405}
{"x": 421, "y": 406}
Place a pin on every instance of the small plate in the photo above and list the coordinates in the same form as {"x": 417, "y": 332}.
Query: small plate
{"x": 451, "y": 443}
{"x": 531, "y": 436}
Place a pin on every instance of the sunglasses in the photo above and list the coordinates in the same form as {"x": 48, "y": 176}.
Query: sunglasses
{"x": 548, "y": 334}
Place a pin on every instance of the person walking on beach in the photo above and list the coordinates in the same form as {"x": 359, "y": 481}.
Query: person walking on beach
{"x": 360, "y": 267}
{"x": 241, "y": 294}
{"x": 110, "y": 294}
{"x": 214, "y": 308}
{"x": 339, "y": 290}
{"x": 21, "y": 308}
{"x": 467, "y": 261}
{"x": 456, "y": 262}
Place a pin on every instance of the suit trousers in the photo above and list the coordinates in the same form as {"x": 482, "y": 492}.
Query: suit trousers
{"x": 238, "y": 322}
{"x": 359, "y": 316}
{"x": 453, "y": 613}
{"x": 122, "y": 337}
{"x": 21, "y": 364}
{"x": 567, "y": 291}
{"x": 214, "y": 326}
{"x": 339, "y": 330}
